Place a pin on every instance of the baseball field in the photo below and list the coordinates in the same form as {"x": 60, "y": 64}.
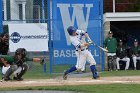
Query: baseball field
{"x": 109, "y": 82}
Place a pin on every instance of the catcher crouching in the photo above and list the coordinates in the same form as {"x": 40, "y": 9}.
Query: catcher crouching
{"x": 16, "y": 64}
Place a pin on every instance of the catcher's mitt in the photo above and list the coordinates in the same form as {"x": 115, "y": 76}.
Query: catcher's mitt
{"x": 43, "y": 61}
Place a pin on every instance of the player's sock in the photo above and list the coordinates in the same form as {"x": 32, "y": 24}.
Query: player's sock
{"x": 71, "y": 69}
{"x": 94, "y": 72}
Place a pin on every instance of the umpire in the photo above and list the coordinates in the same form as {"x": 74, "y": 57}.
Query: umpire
{"x": 121, "y": 53}
{"x": 135, "y": 52}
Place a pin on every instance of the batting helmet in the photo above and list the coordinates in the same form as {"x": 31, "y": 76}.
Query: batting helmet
{"x": 71, "y": 29}
{"x": 21, "y": 51}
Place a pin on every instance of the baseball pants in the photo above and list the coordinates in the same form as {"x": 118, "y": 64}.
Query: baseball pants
{"x": 126, "y": 59}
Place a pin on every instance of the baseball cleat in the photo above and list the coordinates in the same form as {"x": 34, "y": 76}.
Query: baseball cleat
{"x": 65, "y": 75}
{"x": 97, "y": 77}
{"x": 7, "y": 79}
{"x": 18, "y": 79}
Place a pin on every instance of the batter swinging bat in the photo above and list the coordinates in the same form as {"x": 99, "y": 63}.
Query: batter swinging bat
{"x": 91, "y": 43}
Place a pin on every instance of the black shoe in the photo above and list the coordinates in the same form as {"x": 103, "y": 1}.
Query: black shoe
{"x": 97, "y": 77}
{"x": 84, "y": 71}
{"x": 7, "y": 79}
{"x": 65, "y": 75}
{"x": 18, "y": 79}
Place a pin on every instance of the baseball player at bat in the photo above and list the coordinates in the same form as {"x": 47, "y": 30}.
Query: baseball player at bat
{"x": 78, "y": 39}
{"x": 16, "y": 64}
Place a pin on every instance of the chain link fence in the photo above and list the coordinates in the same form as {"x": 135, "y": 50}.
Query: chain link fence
{"x": 24, "y": 11}
{"x": 35, "y": 11}
{"x": 27, "y": 11}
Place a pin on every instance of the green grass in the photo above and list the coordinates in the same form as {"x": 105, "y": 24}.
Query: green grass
{"x": 120, "y": 73}
{"x": 37, "y": 73}
{"x": 103, "y": 88}
{"x": 40, "y": 75}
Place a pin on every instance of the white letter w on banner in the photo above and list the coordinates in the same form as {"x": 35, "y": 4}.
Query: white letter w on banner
{"x": 77, "y": 15}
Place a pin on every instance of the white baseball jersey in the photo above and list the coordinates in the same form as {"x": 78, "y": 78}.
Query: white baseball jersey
{"x": 82, "y": 54}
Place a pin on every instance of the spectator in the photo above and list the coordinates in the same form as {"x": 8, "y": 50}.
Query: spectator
{"x": 122, "y": 55}
{"x": 135, "y": 52}
{"x": 111, "y": 45}
{"x": 4, "y": 43}
{"x": 1, "y": 44}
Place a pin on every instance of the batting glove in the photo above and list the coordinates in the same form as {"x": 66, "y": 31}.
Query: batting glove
{"x": 90, "y": 42}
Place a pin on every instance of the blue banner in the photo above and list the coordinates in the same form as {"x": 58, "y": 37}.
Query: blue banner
{"x": 84, "y": 15}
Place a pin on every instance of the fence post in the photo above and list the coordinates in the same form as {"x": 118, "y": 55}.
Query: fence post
{"x": 1, "y": 18}
{"x": 114, "y": 6}
{"x": 43, "y": 16}
{"x": 44, "y": 65}
{"x": 50, "y": 35}
{"x": 102, "y": 36}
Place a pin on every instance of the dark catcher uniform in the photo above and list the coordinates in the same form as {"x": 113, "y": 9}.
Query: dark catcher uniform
{"x": 13, "y": 66}
{"x": 16, "y": 64}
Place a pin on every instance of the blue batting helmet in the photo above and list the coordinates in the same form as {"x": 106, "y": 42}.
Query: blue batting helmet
{"x": 71, "y": 29}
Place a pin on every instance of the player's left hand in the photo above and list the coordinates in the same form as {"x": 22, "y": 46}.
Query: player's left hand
{"x": 90, "y": 42}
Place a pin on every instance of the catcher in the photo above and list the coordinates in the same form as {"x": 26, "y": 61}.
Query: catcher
{"x": 16, "y": 64}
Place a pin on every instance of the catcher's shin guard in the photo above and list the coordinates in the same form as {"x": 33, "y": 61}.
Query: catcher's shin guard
{"x": 94, "y": 72}
{"x": 9, "y": 72}
{"x": 23, "y": 71}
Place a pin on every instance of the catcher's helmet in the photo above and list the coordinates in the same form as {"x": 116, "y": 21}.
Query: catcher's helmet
{"x": 21, "y": 51}
{"x": 71, "y": 29}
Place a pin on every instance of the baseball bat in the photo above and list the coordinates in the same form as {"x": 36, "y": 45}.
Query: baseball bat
{"x": 103, "y": 49}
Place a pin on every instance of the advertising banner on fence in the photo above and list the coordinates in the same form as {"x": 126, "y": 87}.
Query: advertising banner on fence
{"x": 32, "y": 37}
{"x": 83, "y": 14}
